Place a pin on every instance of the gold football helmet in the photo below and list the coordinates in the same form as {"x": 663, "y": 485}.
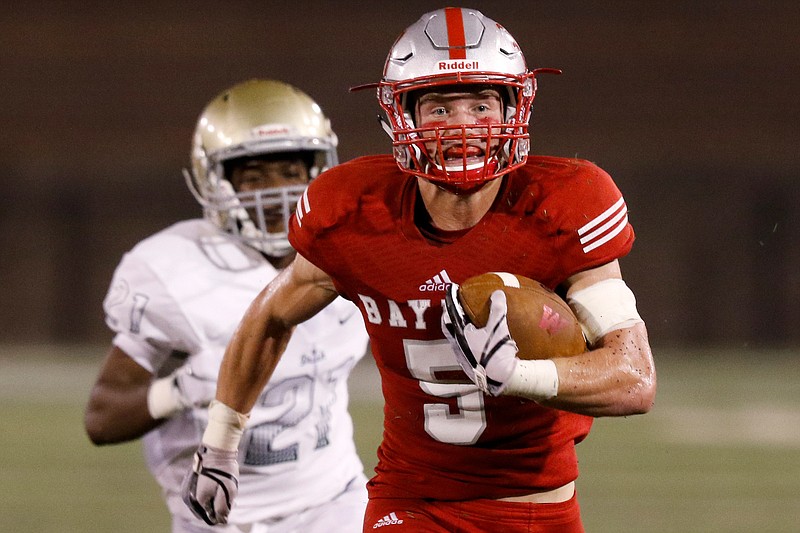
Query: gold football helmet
{"x": 251, "y": 119}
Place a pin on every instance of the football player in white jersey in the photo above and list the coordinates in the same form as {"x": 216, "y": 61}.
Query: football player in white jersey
{"x": 176, "y": 298}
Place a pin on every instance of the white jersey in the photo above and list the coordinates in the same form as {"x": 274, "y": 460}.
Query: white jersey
{"x": 177, "y": 298}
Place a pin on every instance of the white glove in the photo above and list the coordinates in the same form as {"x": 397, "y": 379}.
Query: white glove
{"x": 212, "y": 485}
{"x": 179, "y": 391}
{"x": 487, "y": 355}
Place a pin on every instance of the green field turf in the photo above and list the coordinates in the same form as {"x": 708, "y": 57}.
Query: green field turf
{"x": 720, "y": 452}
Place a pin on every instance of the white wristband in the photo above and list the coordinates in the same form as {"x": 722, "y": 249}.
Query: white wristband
{"x": 535, "y": 379}
{"x": 163, "y": 401}
{"x": 225, "y": 427}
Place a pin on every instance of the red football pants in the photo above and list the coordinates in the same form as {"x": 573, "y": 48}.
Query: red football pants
{"x": 395, "y": 515}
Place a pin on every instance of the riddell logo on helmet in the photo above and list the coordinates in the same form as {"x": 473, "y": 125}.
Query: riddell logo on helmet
{"x": 458, "y": 65}
{"x": 271, "y": 130}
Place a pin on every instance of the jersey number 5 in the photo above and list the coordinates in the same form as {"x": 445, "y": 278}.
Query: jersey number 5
{"x": 426, "y": 360}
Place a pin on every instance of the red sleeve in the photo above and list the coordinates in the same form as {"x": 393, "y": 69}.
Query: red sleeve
{"x": 325, "y": 225}
{"x": 587, "y": 216}
{"x": 317, "y": 211}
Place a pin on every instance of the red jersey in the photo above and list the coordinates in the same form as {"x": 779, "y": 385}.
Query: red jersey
{"x": 444, "y": 439}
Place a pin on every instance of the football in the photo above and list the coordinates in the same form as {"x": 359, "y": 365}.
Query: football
{"x": 540, "y": 321}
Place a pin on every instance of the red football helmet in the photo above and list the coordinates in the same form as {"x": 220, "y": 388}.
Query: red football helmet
{"x": 450, "y": 47}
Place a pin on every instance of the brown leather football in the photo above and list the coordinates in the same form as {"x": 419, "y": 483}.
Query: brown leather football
{"x": 540, "y": 321}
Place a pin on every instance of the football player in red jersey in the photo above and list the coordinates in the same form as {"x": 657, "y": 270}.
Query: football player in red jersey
{"x": 475, "y": 439}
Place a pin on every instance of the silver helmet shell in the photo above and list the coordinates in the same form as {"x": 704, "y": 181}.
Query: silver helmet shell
{"x": 461, "y": 47}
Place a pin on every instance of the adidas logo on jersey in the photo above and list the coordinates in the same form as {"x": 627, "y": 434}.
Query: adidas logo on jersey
{"x": 439, "y": 282}
{"x": 388, "y": 520}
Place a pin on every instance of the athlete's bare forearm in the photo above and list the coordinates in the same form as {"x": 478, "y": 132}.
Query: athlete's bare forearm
{"x": 617, "y": 378}
{"x": 295, "y": 295}
{"x": 251, "y": 356}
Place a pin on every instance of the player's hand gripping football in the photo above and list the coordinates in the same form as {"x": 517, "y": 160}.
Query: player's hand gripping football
{"x": 487, "y": 355}
{"x": 212, "y": 485}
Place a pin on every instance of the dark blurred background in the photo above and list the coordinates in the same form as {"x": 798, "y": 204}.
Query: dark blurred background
{"x": 691, "y": 106}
